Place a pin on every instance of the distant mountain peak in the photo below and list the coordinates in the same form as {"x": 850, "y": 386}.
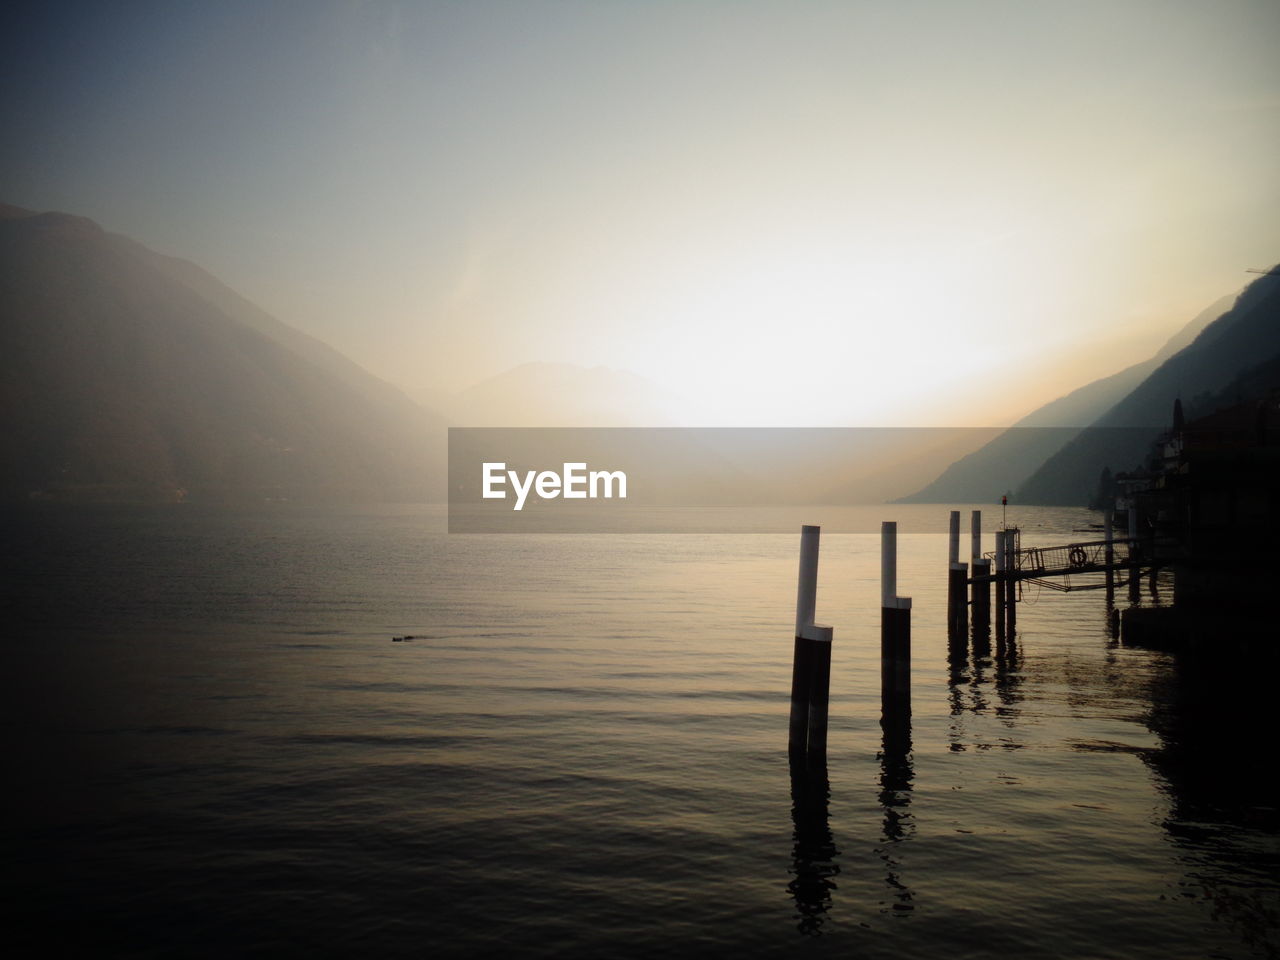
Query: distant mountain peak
{"x": 51, "y": 221}
{"x": 9, "y": 212}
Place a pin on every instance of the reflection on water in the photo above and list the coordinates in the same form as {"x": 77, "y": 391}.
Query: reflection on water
{"x": 966, "y": 695}
{"x": 1008, "y": 679}
{"x": 815, "y": 855}
{"x": 1214, "y": 763}
{"x": 895, "y": 801}
{"x": 221, "y": 753}
{"x": 813, "y": 858}
{"x": 1212, "y": 712}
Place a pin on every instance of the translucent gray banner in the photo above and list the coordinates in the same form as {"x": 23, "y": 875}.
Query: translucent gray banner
{"x": 674, "y": 480}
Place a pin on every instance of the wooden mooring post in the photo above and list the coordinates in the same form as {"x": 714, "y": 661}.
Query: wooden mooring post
{"x": 811, "y": 661}
{"x": 1011, "y": 580}
{"x": 999, "y": 584}
{"x": 957, "y": 577}
{"x": 980, "y": 568}
{"x": 895, "y": 640}
{"x": 1006, "y": 584}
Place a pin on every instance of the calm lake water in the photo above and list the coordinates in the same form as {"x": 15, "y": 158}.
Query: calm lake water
{"x": 217, "y": 750}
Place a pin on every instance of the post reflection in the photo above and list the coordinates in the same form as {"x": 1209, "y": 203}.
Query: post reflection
{"x": 896, "y": 775}
{"x": 1005, "y": 635}
{"x": 1008, "y": 679}
{"x": 1212, "y": 709}
{"x": 963, "y": 684}
{"x": 813, "y": 857}
{"x": 967, "y": 683}
{"x": 957, "y": 655}
{"x": 981, "y": 641}
{"x": 957, "y": 675}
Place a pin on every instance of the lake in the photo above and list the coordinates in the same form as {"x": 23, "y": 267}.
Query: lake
{"x": 218, "y": 750}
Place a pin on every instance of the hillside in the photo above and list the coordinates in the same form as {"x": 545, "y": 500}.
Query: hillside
{"x": 128, "y": 375}
{"x": 1008, "y": 461}
{"x": 1243, "y": 339}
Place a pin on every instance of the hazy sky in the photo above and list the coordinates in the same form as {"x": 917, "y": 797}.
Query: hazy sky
{"x": 789, "y": 213}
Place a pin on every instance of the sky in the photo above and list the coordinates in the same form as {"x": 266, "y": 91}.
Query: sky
{"x": 784, "y": 213}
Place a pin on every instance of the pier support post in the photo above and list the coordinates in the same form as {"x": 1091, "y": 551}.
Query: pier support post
{"x": 819, "y": 695}
{"x": 1000, "y": 604}
{"x": 957, "y": 576}
{"x": 1006, "y": 587}
{"x": 811, "y": 661}
{"x": 981, "y": 604}
{"x": 980, "y": 593}
{"x": 895, "y": 638}
{"x": 1011, "y": 580}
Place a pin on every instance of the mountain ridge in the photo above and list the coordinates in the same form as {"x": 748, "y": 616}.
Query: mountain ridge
{"x": 1010, "y": 459}
{"x": 1243, "y": 338}
{"x": 127, "y": 374}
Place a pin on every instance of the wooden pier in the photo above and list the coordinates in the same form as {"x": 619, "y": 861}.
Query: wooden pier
{"x": 1038, "y": 564}
{"x": 1083, "y": 565}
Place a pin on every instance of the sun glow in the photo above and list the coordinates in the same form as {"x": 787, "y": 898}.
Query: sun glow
{"x": 787, "y": 337}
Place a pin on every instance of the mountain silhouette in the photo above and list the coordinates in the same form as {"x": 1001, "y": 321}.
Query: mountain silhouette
{"x": 1236, "y": 348}
{"x": 1008, "y": 461}
{"x": 129, "y": 375}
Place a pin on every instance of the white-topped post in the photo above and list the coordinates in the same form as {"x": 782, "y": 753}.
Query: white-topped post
{"x": 980, "y": 595}
{"x": 957, "y": 575}
{"x": 1011, "y": 580}
{"x": 811, "y": 661}
{"x": 953, "y": 538}
{"x": 1001, "y": 559}
{"x": 807, "y": 591}
{"x": 895, "y": 639}
{"x": 888, "y": 563}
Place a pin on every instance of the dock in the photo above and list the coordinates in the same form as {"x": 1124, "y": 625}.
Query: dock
{"x": 1080, "y": 565}
{"x": 1054, "y": 567}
